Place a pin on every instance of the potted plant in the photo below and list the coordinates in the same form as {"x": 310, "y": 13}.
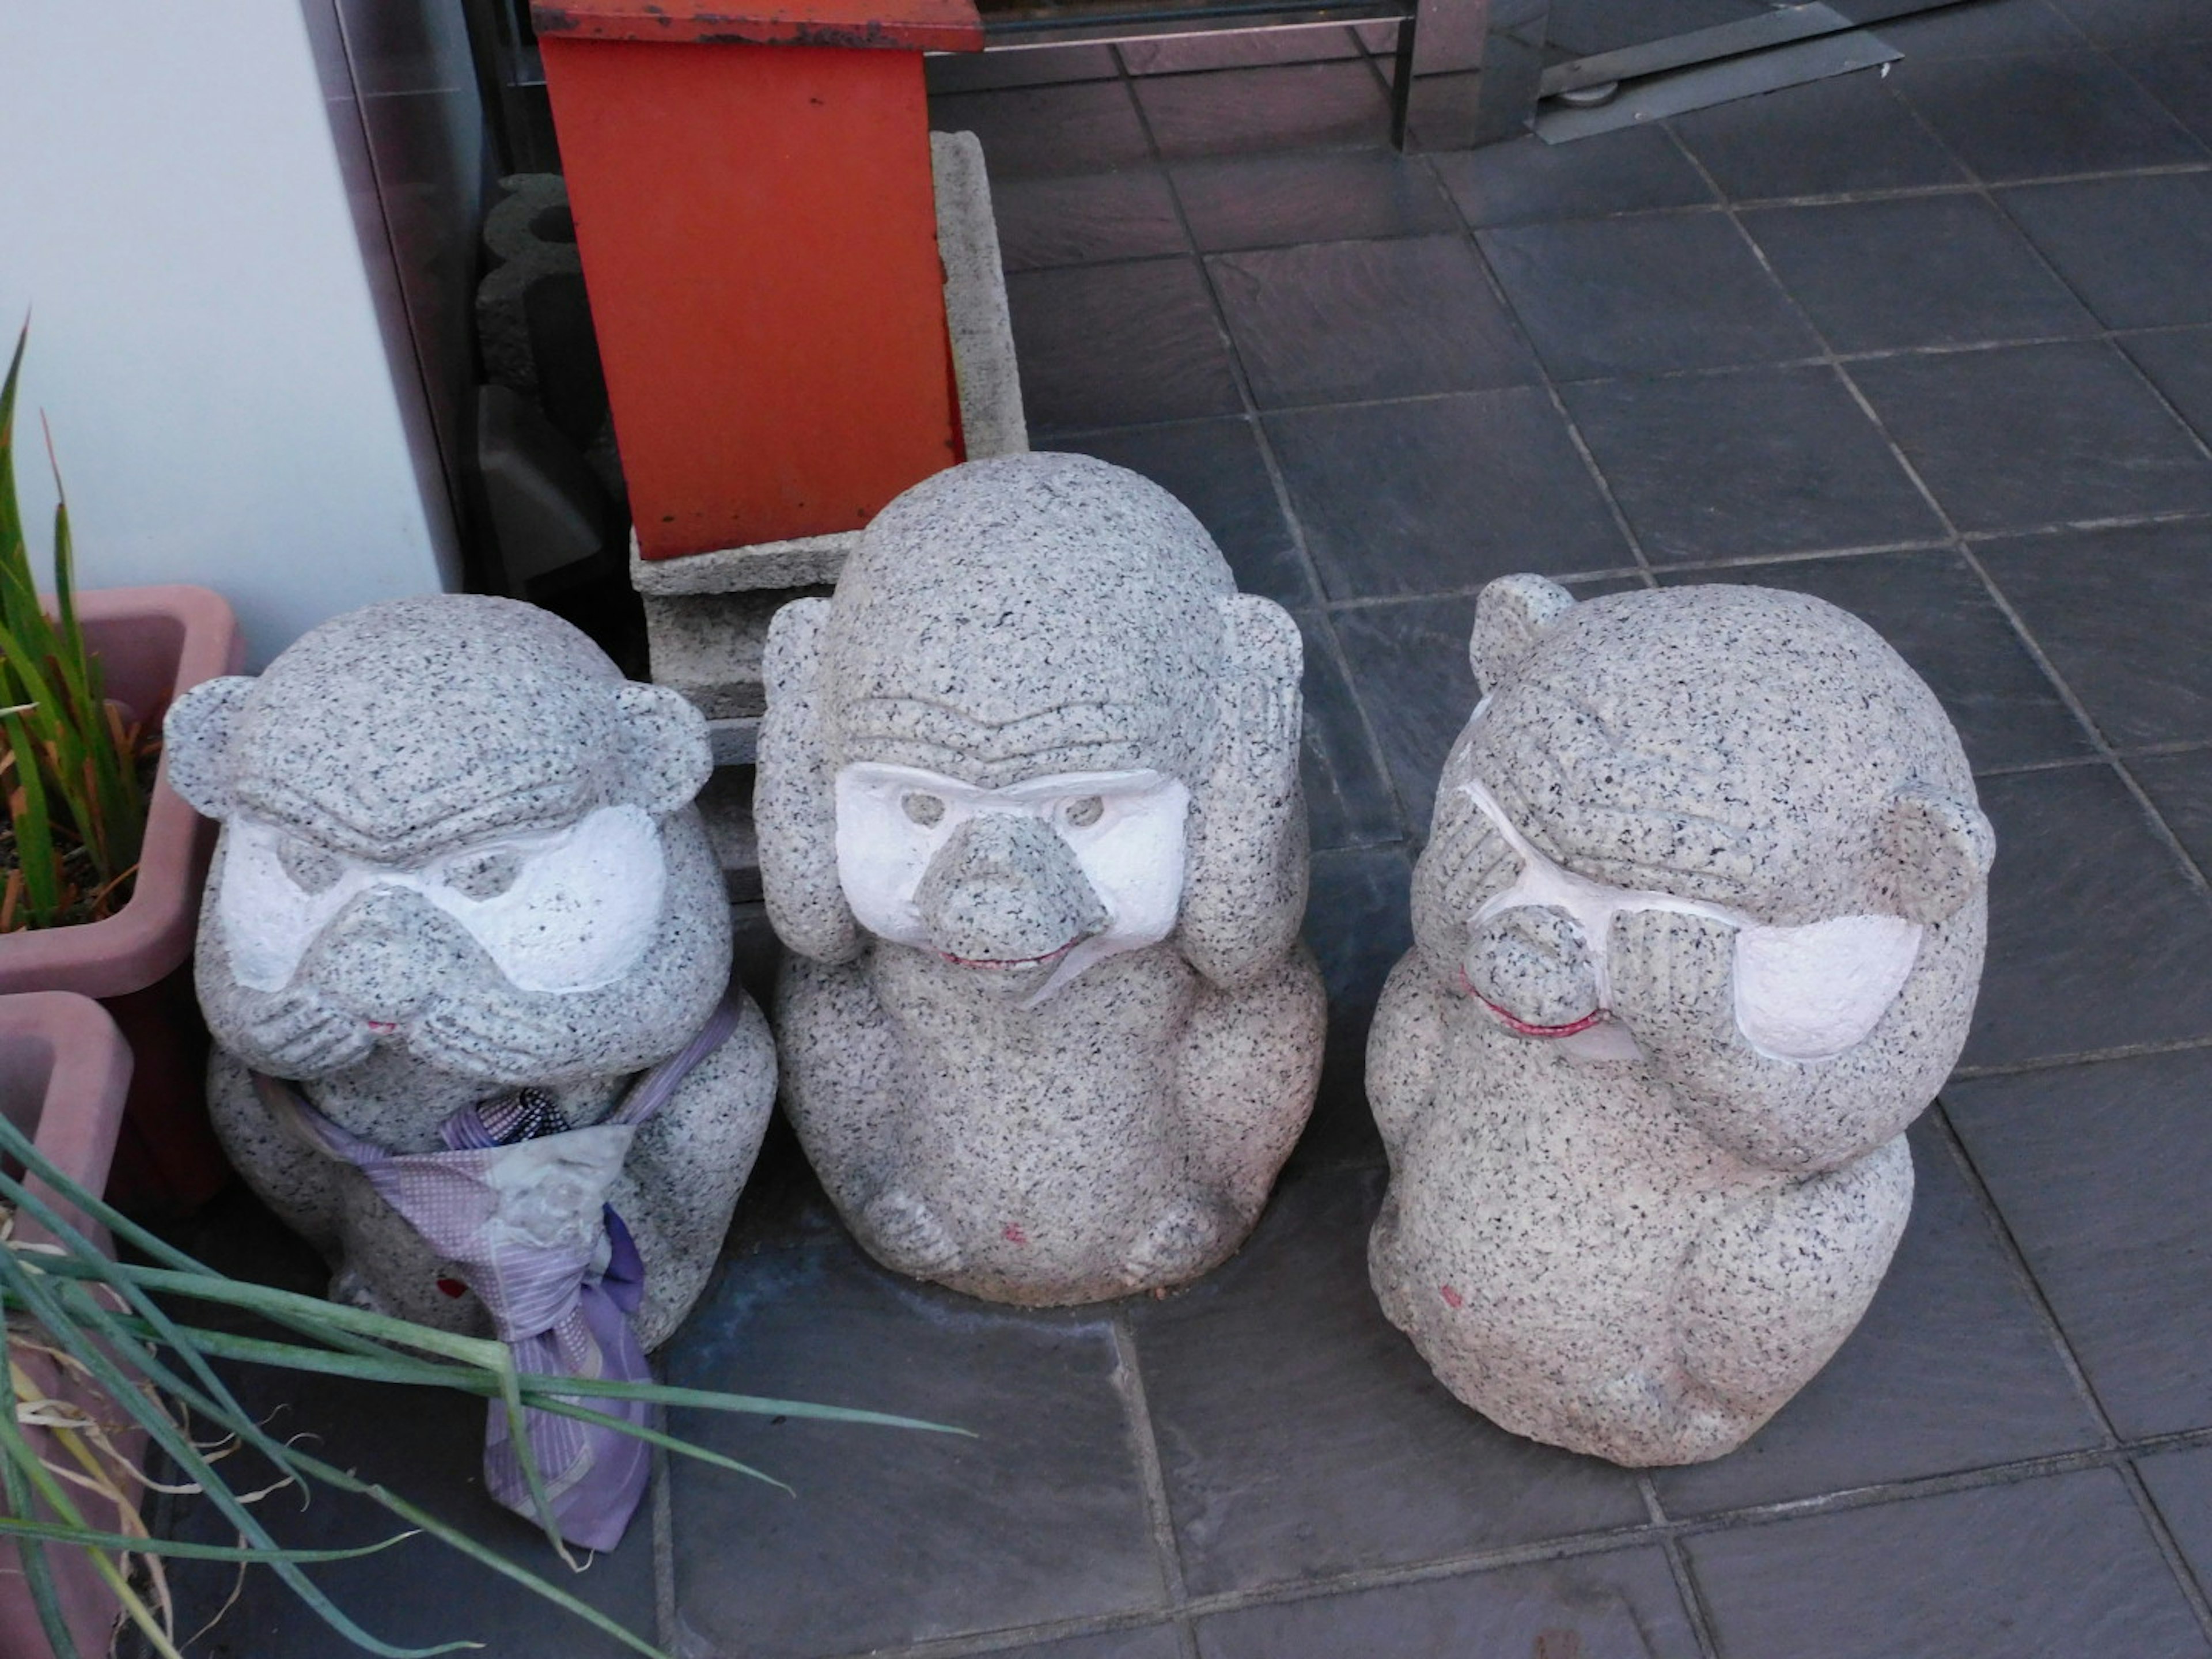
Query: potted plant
{"x": 98, "y": 1364}
{"x": 103, "y": 864}
{"x": 62, "y": 1060}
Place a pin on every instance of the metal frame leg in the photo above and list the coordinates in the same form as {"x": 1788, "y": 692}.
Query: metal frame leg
{"x": 1467, "y": 72}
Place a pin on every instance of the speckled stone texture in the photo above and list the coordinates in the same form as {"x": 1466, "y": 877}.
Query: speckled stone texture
{"x": 459, "y": 858}
{"x": 1644, "y": 1092}
{"x": 1030, "y": 822}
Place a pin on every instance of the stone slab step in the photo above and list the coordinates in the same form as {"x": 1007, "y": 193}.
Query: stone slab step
{"x": 727, "y": 805}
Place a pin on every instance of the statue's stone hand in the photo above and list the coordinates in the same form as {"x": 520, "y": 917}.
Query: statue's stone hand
{"x": 294, "y": 1033}
{"x": 907, "y": 1235}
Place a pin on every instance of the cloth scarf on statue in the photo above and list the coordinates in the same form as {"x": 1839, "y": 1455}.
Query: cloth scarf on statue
{"x": 518, "y": 1201}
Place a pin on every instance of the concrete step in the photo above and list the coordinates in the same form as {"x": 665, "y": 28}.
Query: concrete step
{"x": 708, "y": 646}
{"x": 727, "y": 805}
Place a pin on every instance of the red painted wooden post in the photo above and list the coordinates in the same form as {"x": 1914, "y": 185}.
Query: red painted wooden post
{"x": 752, "y": 198}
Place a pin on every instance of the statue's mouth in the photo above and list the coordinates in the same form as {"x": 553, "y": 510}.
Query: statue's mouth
{"x": 382, "y": 1027}
{"x": 1013, "y": 962}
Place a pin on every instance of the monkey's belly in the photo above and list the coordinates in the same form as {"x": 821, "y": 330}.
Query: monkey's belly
{"x": 1044, "y": 1143}
{"x": 1533, "y": 1240}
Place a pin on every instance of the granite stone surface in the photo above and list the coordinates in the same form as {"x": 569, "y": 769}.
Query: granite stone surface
{"x": 460, "y": 864}
{"x": 1031, "y": 824}
{"x": 1697, "y": 934}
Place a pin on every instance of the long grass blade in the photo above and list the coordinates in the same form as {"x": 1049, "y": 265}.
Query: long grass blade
{"x": 16, "y": 1454}
{"x": 89, "y": 1538}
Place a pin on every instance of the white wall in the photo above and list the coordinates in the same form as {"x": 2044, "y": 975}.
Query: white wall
{"x": 206, "y": 342}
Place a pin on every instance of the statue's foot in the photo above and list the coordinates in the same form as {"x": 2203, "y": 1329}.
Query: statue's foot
{"x": 908, "y": 1236}
{"x": 1181, "y": 1242}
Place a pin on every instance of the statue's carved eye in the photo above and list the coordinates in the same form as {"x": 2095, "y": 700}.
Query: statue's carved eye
{"x": 924, "y": 810}
{"x": 1083, "y": 813}
{"x": 311, "y": 868}
{"x": 484, "y": 875}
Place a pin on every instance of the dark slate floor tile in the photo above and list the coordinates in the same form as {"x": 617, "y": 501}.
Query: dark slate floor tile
{"x": 1850, "y": 133}
{"x": 1080, "y": 218}
{"x": 1215, "y": 469}
{"x": 1335, "y": 321}
{"x": 1269, "y": 201}
{"x": 1300, "y": 1434}
{"x": 1084, "y": 128}
{"x": 1923, "y": 271}
{"x": 1033, "y": 66}
{"x": 1443, "y": 493}
{"x": 1181, "y": 54}
{"x": 2097, "y": 938}
{"x": 1116, "y": 345}
{"x": 2140, "y": 22}
{"x": 2126, "y": 616}
{"x": 1149, "y": 1641}
{"x": 1358, "y": 925}
{"x": 1618, "y": 1606}
{"x": 1289, "y": 107}
{"x": 2036, "y": 117}
{"x": 1982, "y": 29}
{"x": 1525, "y": 181}
{"x": 1940, "y": 616}
{"x": 1635, "y": 296}
{"x": 897, "y": 1537}
{"x": 2178, "y": 362}
{"x": 2059, "y": 1568}
{"x": 2180, "y": 1484}
{"x": 1349, "y": 800}
{"x": 1905, "y": 1398}
{"x": 1409, "y": 660}
{"x": 1748, "y": 464}
{"x": 2179, "y": 77}
{"x": 2100, "y": 1172}
{"x": 2028, "y": 435}
{"x": 2139, "y": 250}
{"x": 426, "y": 1446}
{"x": 2181, "y": 787}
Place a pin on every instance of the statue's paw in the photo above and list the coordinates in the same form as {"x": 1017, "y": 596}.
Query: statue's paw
{"x": 1182, "y": 1241}
{"x": 908, "y": 1236}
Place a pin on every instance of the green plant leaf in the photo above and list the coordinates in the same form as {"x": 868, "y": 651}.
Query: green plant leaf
{"x": 15, "y": 1453}
{"x": 92, "y": 1538}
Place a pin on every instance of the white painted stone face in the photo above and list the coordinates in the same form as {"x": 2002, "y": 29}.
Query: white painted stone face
{"x": 573, "y": 908}
{"x": 1805, "y": 993}
{"x": 1125, "y": 830}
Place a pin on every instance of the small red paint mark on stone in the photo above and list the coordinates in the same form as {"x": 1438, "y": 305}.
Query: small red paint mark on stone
{"x": 1014, "y": 1235}
{"x": 452, "y": 1287}
{"x": 1452, "y": 1298}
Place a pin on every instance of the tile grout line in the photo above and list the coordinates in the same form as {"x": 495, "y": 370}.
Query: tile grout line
{"x": 1544, "y": 378}
{"x": 2160, "y": 829}
{"x": 1281, "y": 484}
{"x": 2080, "y": 1056}
{"x": 1993, "y": 1215}
{"x": 1129, "y": 1383}
{"x": 1691, "y": 1594}
{"x": 666, "y": 1628}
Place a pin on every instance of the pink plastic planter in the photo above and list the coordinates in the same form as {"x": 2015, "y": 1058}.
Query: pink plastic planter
{"x": 152, "y": 642}
{"x": 65, "y": 1070}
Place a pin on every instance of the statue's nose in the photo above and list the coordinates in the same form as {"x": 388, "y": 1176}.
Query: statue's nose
{"x": 1533, "y": 963}
{"x": 386, "y": 954}
{"x": 1006, "y": 888}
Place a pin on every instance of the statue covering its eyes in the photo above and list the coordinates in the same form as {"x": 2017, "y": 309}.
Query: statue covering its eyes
{"x": 1697, "y": 933}
{"x": 1031, "y": 824}
{"x": 465, "y": 955}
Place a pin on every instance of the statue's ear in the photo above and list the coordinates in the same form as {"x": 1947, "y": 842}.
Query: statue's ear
{"x": 795, "y": 792}
{"x": 195, "y": 742}
{"x": 1509, "y": 616}
{"x": 666, "y": 756}
{"x": 1934, "y": 852}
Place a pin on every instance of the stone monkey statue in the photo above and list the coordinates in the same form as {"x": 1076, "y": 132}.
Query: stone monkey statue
{"x": 1031, "y": 823}
{"x": 1697, "y": 933}
{"x": 460, "y": 864}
